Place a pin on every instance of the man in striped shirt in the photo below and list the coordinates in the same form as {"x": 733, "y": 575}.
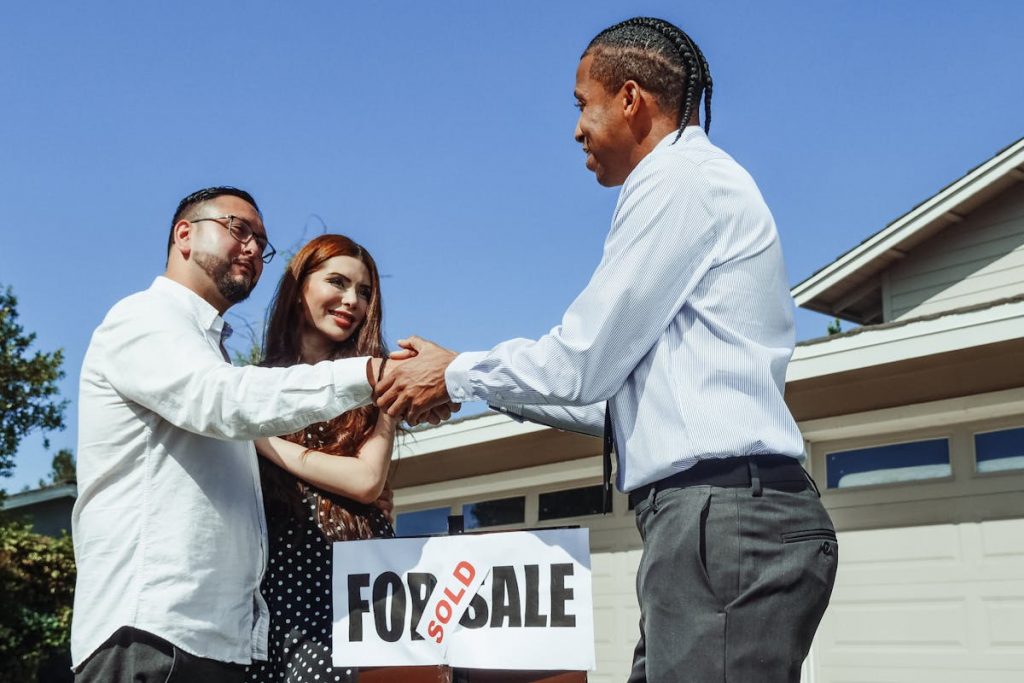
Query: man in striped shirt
{"x": 678, "y": 346}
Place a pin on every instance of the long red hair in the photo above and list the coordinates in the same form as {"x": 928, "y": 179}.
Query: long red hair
{"x": 344, "y": 434}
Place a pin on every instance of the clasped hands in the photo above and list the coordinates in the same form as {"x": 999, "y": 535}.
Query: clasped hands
{"x": 412, "y": 385}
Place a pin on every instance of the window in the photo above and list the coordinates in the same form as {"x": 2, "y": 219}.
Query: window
{"x": 422, "y": 522}
{"x": 999, "y": 450}
{"x": 571, "y": 503}
{"x": 495, "y": 512}
{"x": 888, "y": 464}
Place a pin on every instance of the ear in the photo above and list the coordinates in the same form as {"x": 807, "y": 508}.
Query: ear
{"x": 183, "y": 238}
{"x": 632, "y": 99}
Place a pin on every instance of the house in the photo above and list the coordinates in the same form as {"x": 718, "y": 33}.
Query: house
{"x": 48, "y": 509}
{"x": 914, "y": 430}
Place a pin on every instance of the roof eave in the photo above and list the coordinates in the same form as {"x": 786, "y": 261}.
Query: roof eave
{"x": 885, "y": 245}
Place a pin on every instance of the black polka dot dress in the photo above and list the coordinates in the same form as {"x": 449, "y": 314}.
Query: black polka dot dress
{"x": 297, "y": 588}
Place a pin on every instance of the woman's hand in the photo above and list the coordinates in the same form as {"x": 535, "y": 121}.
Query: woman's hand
{"x": 386, "y": 503}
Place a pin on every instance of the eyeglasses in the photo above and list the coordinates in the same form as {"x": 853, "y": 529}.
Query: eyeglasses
{"x": 240, "y": 229}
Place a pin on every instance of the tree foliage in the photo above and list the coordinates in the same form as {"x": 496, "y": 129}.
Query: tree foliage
{"x": 37, "y": 580}
{"x": 28, "y": 384}
{"x": 62, "y": 469}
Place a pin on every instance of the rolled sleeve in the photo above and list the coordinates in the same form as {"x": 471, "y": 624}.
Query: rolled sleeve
{"x": 350, "y": 385}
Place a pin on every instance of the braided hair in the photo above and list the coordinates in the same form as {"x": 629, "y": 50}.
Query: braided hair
{"x": 661, "y": 58}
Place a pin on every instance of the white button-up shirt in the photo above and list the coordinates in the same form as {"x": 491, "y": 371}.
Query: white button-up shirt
{"x": 168, "y": 527}
{"x": 686, "y": 326}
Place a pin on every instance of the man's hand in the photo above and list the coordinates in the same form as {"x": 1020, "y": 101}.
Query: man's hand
{"x": 414, "y": 386}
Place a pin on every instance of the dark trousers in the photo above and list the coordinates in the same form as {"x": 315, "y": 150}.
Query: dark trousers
{"x": 731, "y": 585}
{"x": 134, "y": 656}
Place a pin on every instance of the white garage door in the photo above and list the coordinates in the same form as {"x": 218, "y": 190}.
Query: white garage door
{"x": 940, "y": 603}
{"x": 931, "y": 548}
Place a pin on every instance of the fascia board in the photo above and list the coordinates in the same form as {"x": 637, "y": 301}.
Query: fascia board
{"x": 20, "y": 500}
{"x": 914, "y": 340}
{"x": 468, "y": 433}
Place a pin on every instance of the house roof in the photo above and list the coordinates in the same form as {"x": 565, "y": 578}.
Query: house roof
{"x": 849, "y": 288}
{"x": 40, "y": 495}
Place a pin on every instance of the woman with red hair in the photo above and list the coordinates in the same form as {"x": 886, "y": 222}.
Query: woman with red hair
{"x": 319, "y": 484}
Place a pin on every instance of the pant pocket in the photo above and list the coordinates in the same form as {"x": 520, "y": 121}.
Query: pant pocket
{"x": 719, "y": 546}
{"x": 808, "y": 535}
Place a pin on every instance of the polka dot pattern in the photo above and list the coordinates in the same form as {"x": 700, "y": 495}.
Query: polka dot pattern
{"x": 297, "y": 588}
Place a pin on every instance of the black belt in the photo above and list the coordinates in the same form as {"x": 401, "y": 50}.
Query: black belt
{"x": 754, "y": 471}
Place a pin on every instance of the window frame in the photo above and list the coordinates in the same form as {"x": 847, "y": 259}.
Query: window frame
{"x": 883, "y": 444}
{"x": 1016, "y": 422}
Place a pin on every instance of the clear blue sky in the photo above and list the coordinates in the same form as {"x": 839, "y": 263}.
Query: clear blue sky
{"x": 439, "y": 134}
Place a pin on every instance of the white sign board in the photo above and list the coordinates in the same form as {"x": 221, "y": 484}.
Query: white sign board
{"x": 515, "y": 600}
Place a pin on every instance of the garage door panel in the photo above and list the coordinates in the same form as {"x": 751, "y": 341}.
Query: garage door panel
{"x": 1005, "y": 623}
{"x": 897, "y": 553}
{"x": 1003, "y": 540}
{"x": 921, "y": 624}
{"x": 970, "y": 552}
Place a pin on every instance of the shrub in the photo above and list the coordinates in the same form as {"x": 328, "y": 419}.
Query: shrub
{"x": 37, "y": 581}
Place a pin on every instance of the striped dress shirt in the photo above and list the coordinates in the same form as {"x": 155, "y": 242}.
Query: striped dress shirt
{"x": 685, "y": 328}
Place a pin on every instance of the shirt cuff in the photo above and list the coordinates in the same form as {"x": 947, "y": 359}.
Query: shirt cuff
{"x": 350, "y": 385}
{"x": 513, "y": 410}
{"x": 456, "y": 376}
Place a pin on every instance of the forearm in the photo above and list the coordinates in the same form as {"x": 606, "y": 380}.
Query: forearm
{"x": 375, "y": 456}
{"x": 361, "y": 477}
{"x": 245, "y": 403}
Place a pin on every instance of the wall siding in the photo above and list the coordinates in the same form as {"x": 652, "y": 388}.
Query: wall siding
{"x": 978, "y": 260}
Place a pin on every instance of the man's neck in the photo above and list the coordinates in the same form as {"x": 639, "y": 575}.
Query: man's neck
{"x": 203, "y": 288}
{"x": 660, "y": 128}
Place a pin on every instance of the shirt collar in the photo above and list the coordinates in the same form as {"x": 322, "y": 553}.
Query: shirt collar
{"x": 206, "y": 314}
{"x": 689, "y": 133}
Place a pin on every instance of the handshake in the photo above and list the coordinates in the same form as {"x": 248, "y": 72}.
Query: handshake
{"x": 410, "y": 383}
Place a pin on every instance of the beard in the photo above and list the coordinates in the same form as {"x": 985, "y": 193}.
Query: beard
{"x": 232, "y": 289}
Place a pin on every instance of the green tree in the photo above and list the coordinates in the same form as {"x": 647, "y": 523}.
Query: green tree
{"x": 28, "y": 384}
{"x": 37, "y": 573}
{"x": 62, "y": 469}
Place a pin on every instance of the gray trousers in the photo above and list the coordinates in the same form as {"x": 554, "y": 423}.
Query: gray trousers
{"x": 134, "y": 656}
{"x": 731, "y": 585}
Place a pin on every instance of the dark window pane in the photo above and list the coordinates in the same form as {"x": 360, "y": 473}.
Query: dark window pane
{"x": 495, "y": 512}
{"x": 888, "y": 464}
{"x": 1001, "y": 450}
{"x": 571, "y": 503}
{"x": 423, "y": 522}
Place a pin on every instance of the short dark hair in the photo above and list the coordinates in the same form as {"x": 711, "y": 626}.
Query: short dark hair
{"x": 661, "y": 58}
{"x": 205, "y": 195}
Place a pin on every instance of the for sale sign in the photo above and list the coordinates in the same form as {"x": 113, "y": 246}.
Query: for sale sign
{"x": 516, "y": 600}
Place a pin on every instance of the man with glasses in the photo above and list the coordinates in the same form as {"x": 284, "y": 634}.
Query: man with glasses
{"x": 169, "y": 531}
